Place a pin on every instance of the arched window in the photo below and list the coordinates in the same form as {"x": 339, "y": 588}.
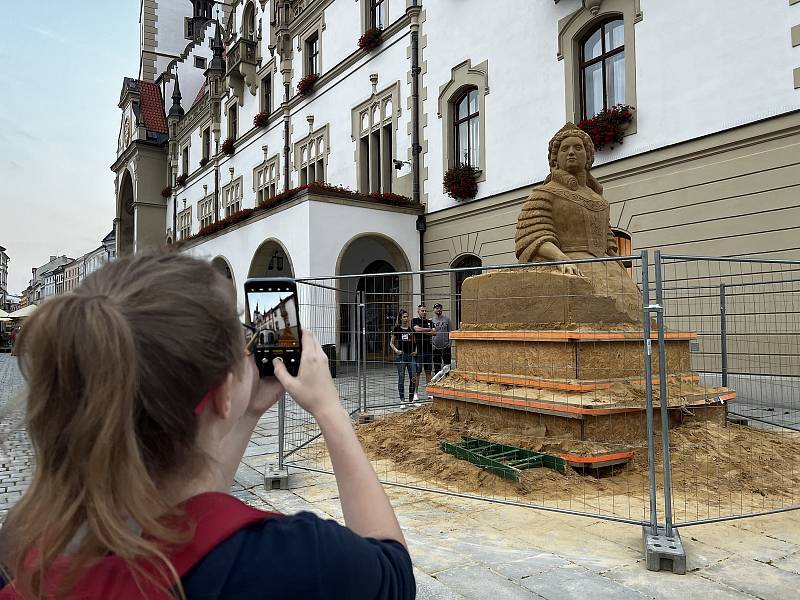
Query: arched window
{"x": 249, "y": 22}
{"x": 602, "y": 67}
{"x": 466, "y": 128}
{"x": 466, "y": 261}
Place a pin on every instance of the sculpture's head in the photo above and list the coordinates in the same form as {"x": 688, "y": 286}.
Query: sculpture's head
{"x": 570, "y": 137}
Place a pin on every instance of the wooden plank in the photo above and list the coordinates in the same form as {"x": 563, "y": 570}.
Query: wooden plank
{"x": 566, "y": 336}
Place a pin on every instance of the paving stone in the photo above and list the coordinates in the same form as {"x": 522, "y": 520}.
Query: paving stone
{"x": 429, "y": 588}
{"x": 481, "y": 583}
{"x": 575, "y": 582}
{"x": 757, "y": 579}
{"x": 668, "y": 586}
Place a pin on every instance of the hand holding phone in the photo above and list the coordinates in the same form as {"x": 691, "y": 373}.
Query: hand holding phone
{"x": 273, "y": 313}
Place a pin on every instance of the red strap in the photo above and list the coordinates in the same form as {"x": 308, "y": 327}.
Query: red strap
{"x": 215, "y": 516}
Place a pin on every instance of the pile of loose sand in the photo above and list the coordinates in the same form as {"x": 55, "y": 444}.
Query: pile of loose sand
{"x": 715, "y": 469}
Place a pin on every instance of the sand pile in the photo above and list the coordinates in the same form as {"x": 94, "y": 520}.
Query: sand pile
{"x": 716, "y": 469}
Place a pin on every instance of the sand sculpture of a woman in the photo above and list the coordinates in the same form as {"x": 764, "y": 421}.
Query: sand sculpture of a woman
{"x": 567, "y": 216}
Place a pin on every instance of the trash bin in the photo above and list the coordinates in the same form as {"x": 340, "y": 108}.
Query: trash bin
{"x": 330, "y": 352}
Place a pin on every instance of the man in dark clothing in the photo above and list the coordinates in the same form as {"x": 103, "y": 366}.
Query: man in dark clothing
{"x": 425, "y": 331}
{"x": 441, "y": 341}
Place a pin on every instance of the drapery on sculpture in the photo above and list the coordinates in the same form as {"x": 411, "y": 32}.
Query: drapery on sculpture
{"x": 567, "y": 216}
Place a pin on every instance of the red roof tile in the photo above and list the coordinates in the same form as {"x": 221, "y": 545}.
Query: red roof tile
{"x": 201, "y": 92}
{"x": 152, "y": 107}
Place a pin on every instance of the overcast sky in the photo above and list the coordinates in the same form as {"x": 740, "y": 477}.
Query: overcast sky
{"x": 61, "y": 70}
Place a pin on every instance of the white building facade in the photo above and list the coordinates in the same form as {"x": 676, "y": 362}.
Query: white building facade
{"x": 710, "y": 163}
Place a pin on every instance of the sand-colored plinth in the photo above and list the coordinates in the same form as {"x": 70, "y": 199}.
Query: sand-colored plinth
{"x": 543, "y": 298}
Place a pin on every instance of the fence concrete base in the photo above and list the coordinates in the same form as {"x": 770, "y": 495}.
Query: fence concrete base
{"x": 659, "y": 547}
{"x": 276, "y": 479}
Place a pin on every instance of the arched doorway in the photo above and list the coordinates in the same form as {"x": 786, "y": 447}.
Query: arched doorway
{"x": 465, "y": 261}
{"x": 271, "y": 260}
{"x": 378, "y": 259}
{"x": 221, "y": 264}
{"x": 125, "y": 215}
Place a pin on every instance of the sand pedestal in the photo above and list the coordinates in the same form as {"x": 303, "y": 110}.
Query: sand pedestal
{"x": 566, "y": 352}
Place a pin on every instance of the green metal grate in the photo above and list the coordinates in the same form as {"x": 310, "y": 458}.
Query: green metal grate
{"x": 500, "y": 459}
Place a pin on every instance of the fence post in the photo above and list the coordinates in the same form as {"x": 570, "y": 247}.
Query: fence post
{"x": 723, "y": 337}
{"x": 357, "y": 344}
{"x": 362, "y": 310}
{"x": 660, "y": 542}
{"x": 281, "y": 430}
{"x": 648, "y": 386}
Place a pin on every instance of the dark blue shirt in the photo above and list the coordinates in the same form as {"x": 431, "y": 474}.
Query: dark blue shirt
{"x": 305, "y": 557}
{"x": 301, "y": 556}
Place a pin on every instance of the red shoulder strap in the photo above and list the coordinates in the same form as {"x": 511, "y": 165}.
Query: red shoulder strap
{"x": 215, "y": 517}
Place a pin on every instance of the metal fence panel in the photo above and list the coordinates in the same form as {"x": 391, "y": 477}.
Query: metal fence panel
{"x": 746, "y": 313}
{"x": 528, "y": 369}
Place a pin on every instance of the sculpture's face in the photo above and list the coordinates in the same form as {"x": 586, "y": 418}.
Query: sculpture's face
{"x": 572, "y": 155}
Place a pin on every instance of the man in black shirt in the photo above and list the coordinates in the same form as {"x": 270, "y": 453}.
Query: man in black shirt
{"x": 425, "y": 331}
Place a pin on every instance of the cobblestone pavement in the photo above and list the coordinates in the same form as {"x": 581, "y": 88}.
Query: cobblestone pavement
{"x": 16, "y": 454}
{"x": 471, "y": 550}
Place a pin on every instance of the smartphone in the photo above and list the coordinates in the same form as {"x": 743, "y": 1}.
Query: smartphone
{"x": 272, "y": 311}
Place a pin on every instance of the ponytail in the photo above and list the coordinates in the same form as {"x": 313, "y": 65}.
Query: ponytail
{"x": 114, "y": 370}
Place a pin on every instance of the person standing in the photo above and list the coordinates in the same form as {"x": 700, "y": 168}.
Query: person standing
{"x": 441, "y": 341}
{"x": 423, "y": 327}
{"x": 404, "y": 344}
{"x": 12, "y": 337}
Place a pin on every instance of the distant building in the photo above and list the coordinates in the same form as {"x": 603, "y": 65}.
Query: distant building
{"x": 3, "y": 276}
{"x": 43, "y": 280}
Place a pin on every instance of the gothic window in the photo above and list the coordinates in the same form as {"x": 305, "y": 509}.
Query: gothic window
{"x": 249, "y": 22}
{"x": 466, "y": 128}
{"x": 375, "y": 124}
{"x": 379, "y": 13}
{"x": 265, "y": 179}
{"x": 205, "y": 211}
{"x": 232, "y": 197}
{"x": 312, "y": 54}
{"x": 602, "y": 67}
{"x": 311, "y": 156}
{"x": 185, "y": 223}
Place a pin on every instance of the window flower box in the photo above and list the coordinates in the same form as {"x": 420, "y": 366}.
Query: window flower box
{"x": 460, "y": 182}
{"x": 261, "y": 119}
{"x": 371, "y": 39}
{"x": 609, "y": 125}
{"x": 228, "y": 147}
{"x": 166, "y": 192}
{"x": 181, "y": 179}
{"x": 306, "y": 85}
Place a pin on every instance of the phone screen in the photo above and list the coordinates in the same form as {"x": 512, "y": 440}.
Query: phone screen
{"x": 273, "y": 313}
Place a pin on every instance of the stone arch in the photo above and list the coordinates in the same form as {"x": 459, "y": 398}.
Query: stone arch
{"x": 125, "y": 235}
{"x": 385, "y": 286}
{"x": 221, "y": 264}
{"x": 271, "y": 260}
{"x": 462, "y": 261}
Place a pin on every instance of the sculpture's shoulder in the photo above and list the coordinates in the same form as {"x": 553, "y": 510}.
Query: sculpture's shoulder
{"x": 543, "y": 194}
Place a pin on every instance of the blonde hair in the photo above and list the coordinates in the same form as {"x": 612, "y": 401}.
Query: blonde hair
{"x": 114, "y": 372}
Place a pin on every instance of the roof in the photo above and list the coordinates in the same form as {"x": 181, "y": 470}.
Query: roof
{"x": 201, "y": 92}
{"x": 152, "y": 107}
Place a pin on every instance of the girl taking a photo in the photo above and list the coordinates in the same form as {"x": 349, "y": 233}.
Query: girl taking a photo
{"x": 141, "y": 399}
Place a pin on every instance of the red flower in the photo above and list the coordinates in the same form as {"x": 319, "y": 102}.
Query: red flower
{"x": 606, "y": 127}
{"x": 228, "y": 147}
{"x": 371, "y": 39}
{"x": 306, "y": 85}
{"x": 261, "y": 119}
{"x": 166, "y": 192}
{"x": 316, "y": 188}
{"x": 460, "y": 182}
{"x": 181, "y": 179}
